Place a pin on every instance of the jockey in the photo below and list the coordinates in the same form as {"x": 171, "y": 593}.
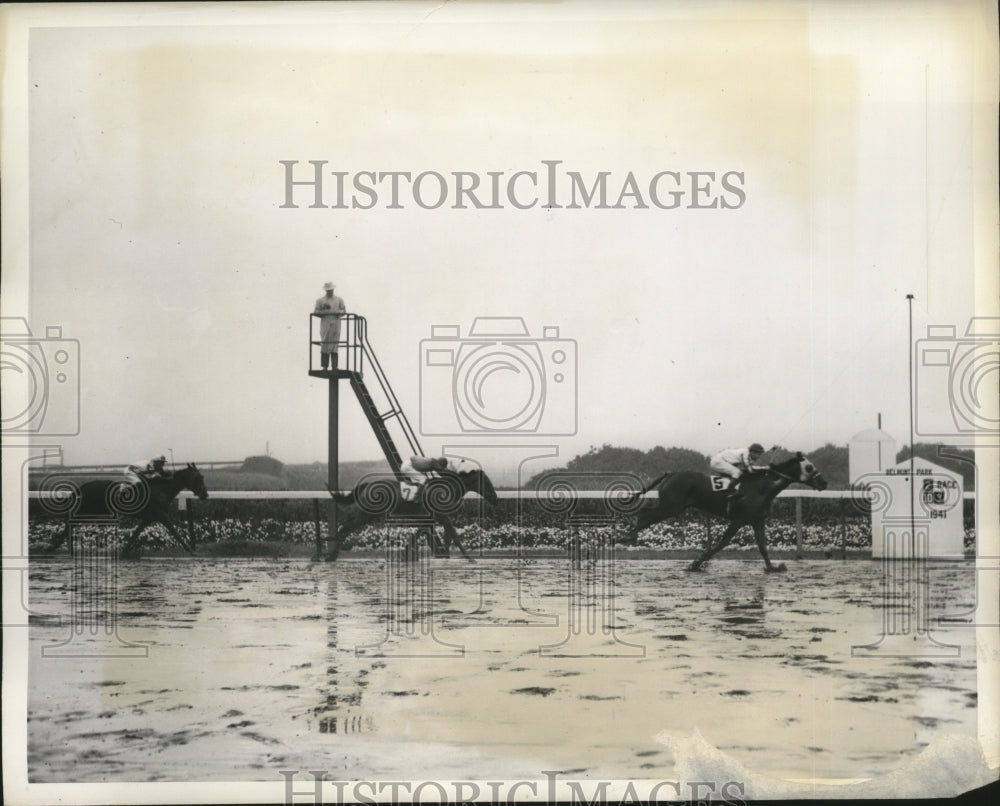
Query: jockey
{"x": 734, "y": 462}
{"x": 155, "y": 469}
{"x": 416, "y": 471}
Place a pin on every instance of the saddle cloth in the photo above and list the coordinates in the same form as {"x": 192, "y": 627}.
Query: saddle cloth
{"x": 720, "y": 483}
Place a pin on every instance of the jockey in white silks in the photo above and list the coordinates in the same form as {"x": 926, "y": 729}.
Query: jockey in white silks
{"x": 416, "y": 471}
{"x": 734, "y": 462}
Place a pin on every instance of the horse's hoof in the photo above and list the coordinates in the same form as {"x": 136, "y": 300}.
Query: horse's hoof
{"x": 776, "y": 569}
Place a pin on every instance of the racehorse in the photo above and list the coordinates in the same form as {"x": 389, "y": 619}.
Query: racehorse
{"x": 439, "y": 498}
{"x": 688, "y": 488}
{"x": 147, "y": 500}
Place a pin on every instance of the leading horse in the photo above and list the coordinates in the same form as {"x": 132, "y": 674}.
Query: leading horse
{"x": 380, "y": 497}
{"x": 147, "y": 500}
{"x": 678, "y": 491}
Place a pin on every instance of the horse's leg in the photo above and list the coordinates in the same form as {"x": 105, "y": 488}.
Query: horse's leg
{"x": 129, "y": 550}
{"x": 434, "y": 544}
{"x": 716, "y": 547}
{"x": 451, "y": 536}
{"x": 345, "y": 529}
{"x": 64, "y": 536}
{"x": 759, "y": 536}
{"x": 645, "y": 519}
{"x": 173, "y": 533}
{"x": 412, "y": 547}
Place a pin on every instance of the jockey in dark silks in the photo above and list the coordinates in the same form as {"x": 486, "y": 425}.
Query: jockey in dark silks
{"x": 155, "y": 469}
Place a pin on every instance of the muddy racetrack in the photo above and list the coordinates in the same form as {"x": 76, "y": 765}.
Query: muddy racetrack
{"x": 229, "y": 670}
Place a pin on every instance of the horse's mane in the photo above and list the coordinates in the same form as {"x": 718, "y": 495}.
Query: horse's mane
{"x": 796, "y": 457}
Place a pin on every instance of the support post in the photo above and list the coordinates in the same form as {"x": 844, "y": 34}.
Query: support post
{"x": 319, "y": 533}
{"x": 333, "y": 466}
{"x": 798, "y": 528}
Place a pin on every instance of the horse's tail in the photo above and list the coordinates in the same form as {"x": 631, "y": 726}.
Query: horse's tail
{"x": 633, "y": 496}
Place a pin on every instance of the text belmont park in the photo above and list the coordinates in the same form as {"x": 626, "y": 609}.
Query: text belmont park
{"x": 549, "y": 188}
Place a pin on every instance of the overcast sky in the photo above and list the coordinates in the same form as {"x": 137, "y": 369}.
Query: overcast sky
{"x": 158, "y": 238}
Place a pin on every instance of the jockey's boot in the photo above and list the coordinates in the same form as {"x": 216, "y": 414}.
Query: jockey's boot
{"x": 324, "y": 359}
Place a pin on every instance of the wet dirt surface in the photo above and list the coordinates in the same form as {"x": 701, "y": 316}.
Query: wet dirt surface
{"x": 231, "y": 670}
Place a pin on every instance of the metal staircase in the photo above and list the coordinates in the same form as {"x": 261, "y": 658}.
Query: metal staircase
{"x": 358, "y": 357}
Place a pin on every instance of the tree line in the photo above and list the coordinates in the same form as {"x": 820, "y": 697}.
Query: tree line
{"x": 260, "y": 472}
{"x": 832, "y": 460}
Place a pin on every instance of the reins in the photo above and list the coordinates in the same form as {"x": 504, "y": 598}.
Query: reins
{"x": 792, "y": 479}
{"x": 781, "y": 475}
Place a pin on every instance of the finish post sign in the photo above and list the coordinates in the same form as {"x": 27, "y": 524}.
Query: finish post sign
{"x": 926, "y": 523}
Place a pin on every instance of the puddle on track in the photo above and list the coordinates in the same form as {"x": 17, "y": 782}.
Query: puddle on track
{"x": 489, "y": 670}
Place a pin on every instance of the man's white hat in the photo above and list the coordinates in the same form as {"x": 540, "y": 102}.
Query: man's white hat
{"x": 328, "y": 286}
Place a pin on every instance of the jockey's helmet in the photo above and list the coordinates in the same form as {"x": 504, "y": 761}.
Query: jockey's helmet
{"x": 756, "y": 448}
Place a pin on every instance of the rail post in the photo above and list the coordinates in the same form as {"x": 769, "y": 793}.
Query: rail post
{"x": 798, "y": 528}
{"x": 192, "y": 540}
{"x": 843, "y": 529}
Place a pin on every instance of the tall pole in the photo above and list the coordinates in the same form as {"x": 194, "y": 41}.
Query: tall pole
{"x": 913, "y": 478}
{"x": 333, "y": 463}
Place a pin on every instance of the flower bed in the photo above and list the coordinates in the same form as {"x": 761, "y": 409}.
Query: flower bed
{"x": 511, "y": 525}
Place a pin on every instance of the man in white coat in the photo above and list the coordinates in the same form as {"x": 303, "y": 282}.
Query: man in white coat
{"x": 331, "y": 309}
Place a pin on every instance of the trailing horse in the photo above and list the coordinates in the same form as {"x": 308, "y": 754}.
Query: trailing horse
{"x": 380, "y": 497}
{"x": 147, "y": 500}
{"x": 678, "y": 491}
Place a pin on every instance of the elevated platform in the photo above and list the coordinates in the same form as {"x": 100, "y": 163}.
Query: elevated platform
{"x": 356, "y": 361}
{"x": 330, "y": 374}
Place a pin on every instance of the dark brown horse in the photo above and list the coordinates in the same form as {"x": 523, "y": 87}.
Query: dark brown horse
{"x": 678, "y": 491}
{"x": 110, "y": 500}
{"x": 377, "y": 497}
